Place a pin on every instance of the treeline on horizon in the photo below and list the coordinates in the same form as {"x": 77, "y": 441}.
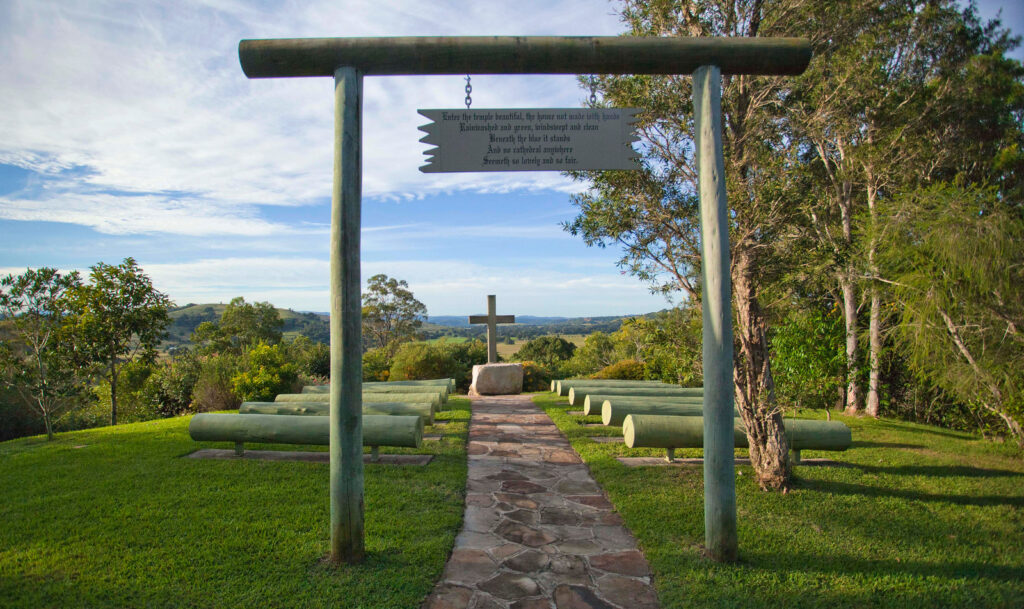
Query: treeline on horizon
{"x": 316, "y": 326}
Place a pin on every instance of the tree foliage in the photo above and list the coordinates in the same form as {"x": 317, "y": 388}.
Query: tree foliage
{"x": 266, "y": 370}
{"x": 808, "y": 357}
{"x": 37, "y": 351}
{"x": 954, "y": 259}
{"x": 546, "y": 350}
{"x": 653, "y": 214}
{"x": 117, "y": 317}
{"x": 391, "y": 314}
{"x": 242, "y": 325}
{"x": 899, "y": 95}
{"x": 627, "y": 369}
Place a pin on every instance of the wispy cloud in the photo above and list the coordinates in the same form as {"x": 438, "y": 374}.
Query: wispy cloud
{"x": 449, "y": 286}
{"x": 151, "y": 100}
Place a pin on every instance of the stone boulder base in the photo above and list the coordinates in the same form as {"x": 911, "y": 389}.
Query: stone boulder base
{"x": 497, "y": 379}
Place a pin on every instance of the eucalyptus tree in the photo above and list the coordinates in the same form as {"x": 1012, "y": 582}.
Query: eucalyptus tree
{"x": 391, "y": 313}
{"x": 652, "y": 214}
{"x": 36, "y": 353}
{"x": 118, "y": 316}
{"x": 896, "y": 98}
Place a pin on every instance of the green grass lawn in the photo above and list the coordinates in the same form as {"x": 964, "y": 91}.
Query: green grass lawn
{"x": 115, "y": 517}
{"x": 918, "y": 517}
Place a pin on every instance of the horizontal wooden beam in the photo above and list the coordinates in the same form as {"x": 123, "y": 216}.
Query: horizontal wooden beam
{"x": 498, "y": 319}
{"x": 408, "y": 55}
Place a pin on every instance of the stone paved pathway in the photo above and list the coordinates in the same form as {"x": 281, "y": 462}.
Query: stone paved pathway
{"x": 538, "y": 531}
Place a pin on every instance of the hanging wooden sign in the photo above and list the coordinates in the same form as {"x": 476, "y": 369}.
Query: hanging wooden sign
{"x": 529, "y": 139}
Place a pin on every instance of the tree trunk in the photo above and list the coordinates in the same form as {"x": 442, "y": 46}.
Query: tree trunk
{"x": 997, "y": 408}
{"x": 113, "y": 394}
{"x": 874, "y": 322}
{"x": 850, "y": 315}
{"x": 875, "y": 348}
{"x": 47, "y": 422}
{"x": 755, "y": 388}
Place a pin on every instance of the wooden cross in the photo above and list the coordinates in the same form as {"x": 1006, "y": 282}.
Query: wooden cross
{"x": 492, "y": 320}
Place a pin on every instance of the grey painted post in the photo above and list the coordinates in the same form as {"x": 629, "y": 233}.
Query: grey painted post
{"x": 719, "y": 459}
{"x": 346, "y": 441}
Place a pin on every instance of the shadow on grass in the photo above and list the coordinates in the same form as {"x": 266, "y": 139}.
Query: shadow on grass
{"x": 837, "y": 564}
{"x": 942, "y": 471}
{"x": 908, "y": 428}
{"x": 863, "y": 444}
{"x": 831, "y": 487}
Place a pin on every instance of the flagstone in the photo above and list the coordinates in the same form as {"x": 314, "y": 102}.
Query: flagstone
{"x": 510, "y": 586}
{"x": 530, "y": 560}
{"x": 538, "y": 532}
{"x": 630, "y": 562}
{"x": 627, "y": 592}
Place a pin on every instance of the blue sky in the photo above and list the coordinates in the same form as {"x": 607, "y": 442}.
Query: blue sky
{"x": 128, "y": 129}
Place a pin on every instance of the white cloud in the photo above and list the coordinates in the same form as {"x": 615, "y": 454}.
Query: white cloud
{"x": 145, "y": 98}
{"x": 120, "y": 215}
{"x": 445, "y": 286}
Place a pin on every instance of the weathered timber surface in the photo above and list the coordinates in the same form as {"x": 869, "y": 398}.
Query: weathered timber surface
{"x": 424, "y": 410}
{"x": 408, "y": 55}
{"x": 368, "y": 397}
{"x": 578, "y": 394}
{"x": 346, "y": 329}
{"x": 450, "y": 383}
{"x": 562, "y": 386}
{"x": 717, "y": 351}
{"x": 662, "y": 431}
{"x": 385, "y": 388}
{"x": 594, "y": 402}
{"x": 378, "y": 430}
{"x": 614, "y": 412}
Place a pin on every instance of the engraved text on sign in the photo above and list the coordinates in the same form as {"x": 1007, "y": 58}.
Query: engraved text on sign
{"x": 529, "y": 139}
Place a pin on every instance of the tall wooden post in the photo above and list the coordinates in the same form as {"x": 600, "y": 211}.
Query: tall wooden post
{"x": 719, "y": 459}
{"x": 346, "y": 322}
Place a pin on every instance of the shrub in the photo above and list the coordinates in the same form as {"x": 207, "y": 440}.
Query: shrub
{"x": 546, "y": 350}
{"x": 313, "y": 358}
{"x": 598, "y": 351}
{"x": 465, "y": 355}
{"x": 168, "y": 391}
{"x": 536, "y": 377}
{"x": 808, "y": 358}
{"x": 214, "y": 388}
{"x": 265, "y": 373}
{"x": 17, "y": 415}
{"x": 377, "y": 365}
{"x": 418, "y": 361}
{"x": 132, "y": 405}
{"x": 627, "y": 369}
{"x": 443, "y": 359}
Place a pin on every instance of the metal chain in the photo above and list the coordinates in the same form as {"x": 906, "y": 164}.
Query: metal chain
{"x": 469, "y": 91}
{"x": 593, "y": 91}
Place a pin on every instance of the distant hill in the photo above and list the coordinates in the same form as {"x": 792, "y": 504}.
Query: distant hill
{"x": 526, "y": 326}
{"x": 316, "y": 325}
{"x": 462, "y": 321}
{"x": 184, "y": 321}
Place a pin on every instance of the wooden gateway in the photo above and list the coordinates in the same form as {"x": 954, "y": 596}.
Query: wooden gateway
{"x": 348, "y": 60}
